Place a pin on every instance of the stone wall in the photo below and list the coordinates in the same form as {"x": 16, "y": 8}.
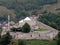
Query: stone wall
{"x": 34, "y": 35}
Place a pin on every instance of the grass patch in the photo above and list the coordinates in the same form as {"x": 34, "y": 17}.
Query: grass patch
{"x": 41, "y": 42}
{"x": 37, "y": 42}
{"x": 41, "y": 29}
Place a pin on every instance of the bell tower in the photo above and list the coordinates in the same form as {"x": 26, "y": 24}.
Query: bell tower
{"x": 8, "y": 22}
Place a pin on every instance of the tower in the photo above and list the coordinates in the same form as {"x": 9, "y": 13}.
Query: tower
{"x": 8, "y": 22}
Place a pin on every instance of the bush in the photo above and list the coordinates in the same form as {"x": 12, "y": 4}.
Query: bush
{"x": 13, "y": 29}
{"x": 26, "y": 28}
{"x": 5, "y": 39}
{"x": 16, "y": 29}
{"x": 19, "y": 29}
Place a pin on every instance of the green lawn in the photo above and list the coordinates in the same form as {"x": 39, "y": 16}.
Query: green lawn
{"x": 41, "y": 42}
{"x": 41, "y": 29}
{"x": 37, "y": 42}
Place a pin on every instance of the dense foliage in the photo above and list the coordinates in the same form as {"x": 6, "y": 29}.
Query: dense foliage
{"x": 25, "y": 4}
{"x": 25, "y": 28}
{"x": 16, "y": 29}
{"x": 5, "y": 40}
{"x": 51, "y": 19}
{"x": 20, "y": 7}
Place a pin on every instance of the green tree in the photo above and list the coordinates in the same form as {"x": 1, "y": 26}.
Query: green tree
{"x": 26, "y": 28}
{"x": 5, "y": 40}
{"x": 50, "y": 19}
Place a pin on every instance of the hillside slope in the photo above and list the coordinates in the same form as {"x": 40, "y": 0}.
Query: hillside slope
{"x": 4, "y": 12}
{"x": 22, "y": 8}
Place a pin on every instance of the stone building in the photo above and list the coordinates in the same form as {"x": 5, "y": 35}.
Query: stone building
{"x": 30, "y": 21}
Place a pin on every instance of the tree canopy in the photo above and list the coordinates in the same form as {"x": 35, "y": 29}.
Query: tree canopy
{"x": 51, "y": 19}
{"x": 23, "y": 8}
{"x": 26, "y": 28}
{"x": 5, "y": 39}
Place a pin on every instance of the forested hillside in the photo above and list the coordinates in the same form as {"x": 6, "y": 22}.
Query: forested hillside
{"x": 23, "y": 8}
{"x": 19, "y": 9}
{"x": 50, "y": 19}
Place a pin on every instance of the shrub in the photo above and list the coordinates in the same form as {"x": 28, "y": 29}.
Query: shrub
{"x": 16, "y": 29}
{"x": 5, "y": 39}
{"x": 26, "y": 28}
